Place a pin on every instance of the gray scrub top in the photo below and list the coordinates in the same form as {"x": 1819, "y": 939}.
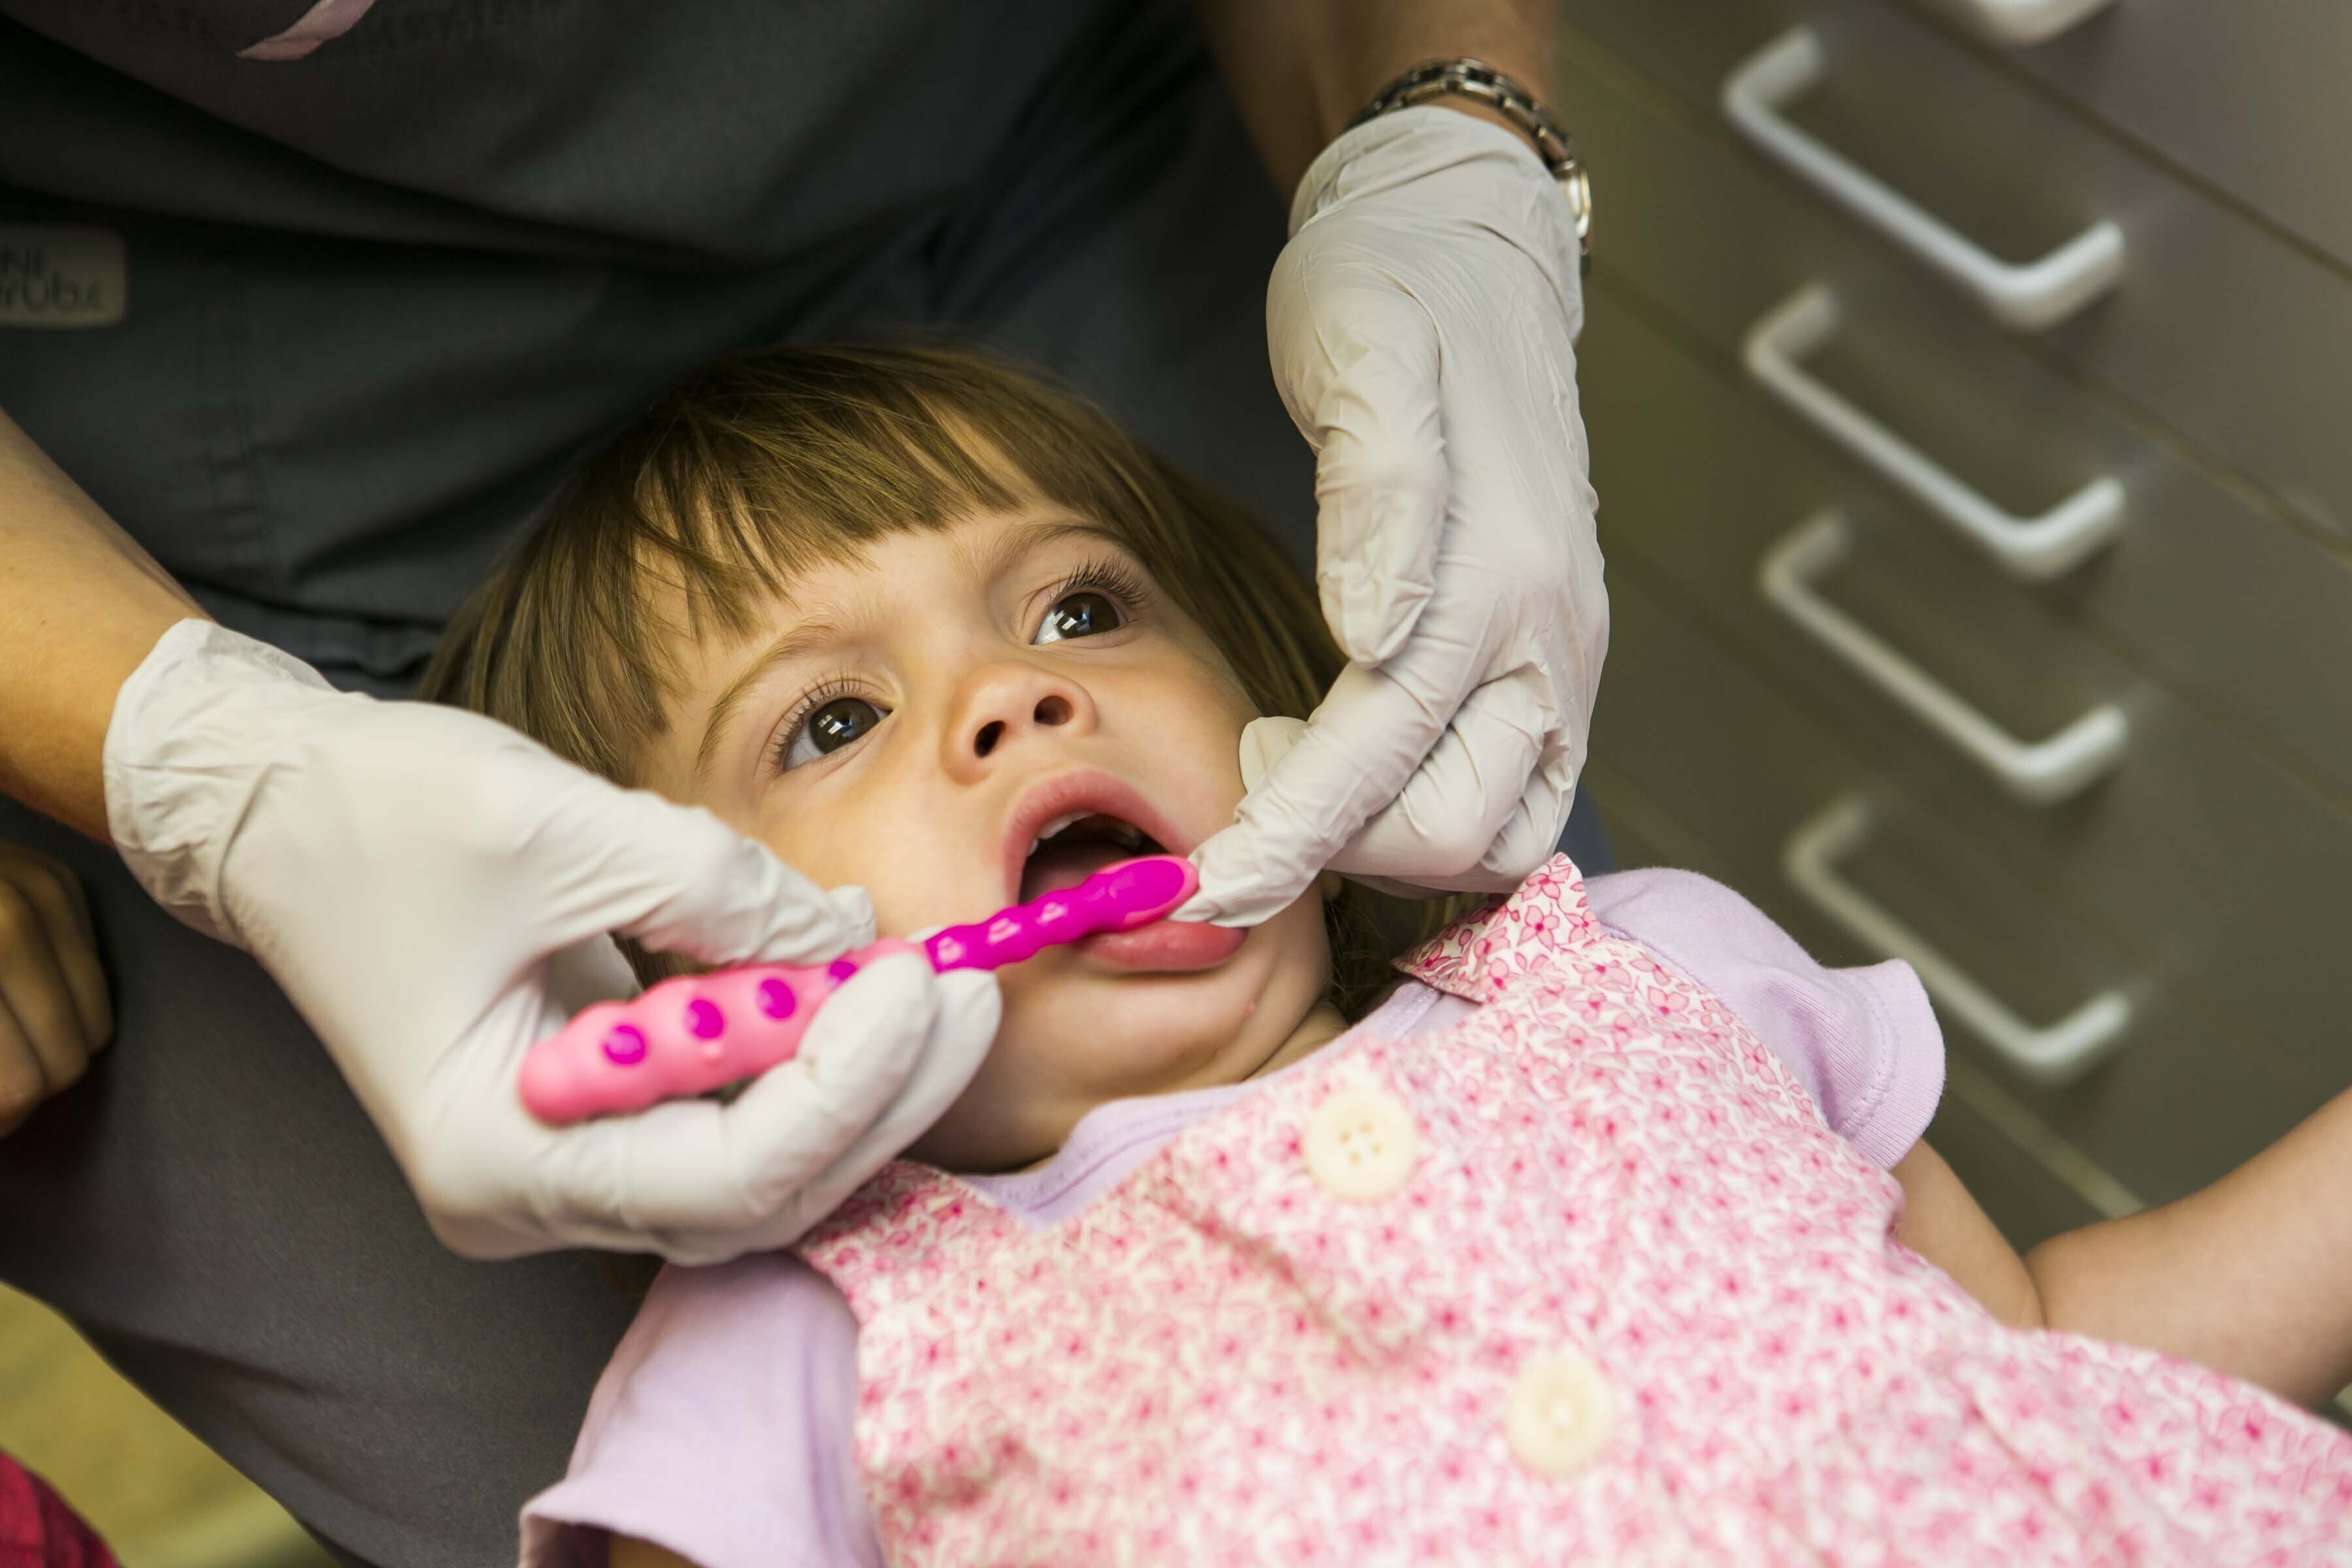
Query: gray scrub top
{"x": 381, "y": 295}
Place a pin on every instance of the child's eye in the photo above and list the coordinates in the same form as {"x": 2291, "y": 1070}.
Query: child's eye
{"x": 1085, "y": 614}
{"x": 830, "y": 726}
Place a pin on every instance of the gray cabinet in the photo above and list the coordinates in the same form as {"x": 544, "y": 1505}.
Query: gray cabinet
{"x": 2018, "y": 633}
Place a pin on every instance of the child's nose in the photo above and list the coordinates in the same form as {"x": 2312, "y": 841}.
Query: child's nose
{"x": 1006, "y": 704}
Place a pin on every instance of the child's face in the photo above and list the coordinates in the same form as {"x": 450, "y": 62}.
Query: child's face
{"x": 911, "y": 722}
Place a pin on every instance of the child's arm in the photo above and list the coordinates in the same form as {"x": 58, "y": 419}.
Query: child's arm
{"x": 54, "y": 1012}
{"x": 628, "y": 1552}
{"x": 2251, "y": 1276}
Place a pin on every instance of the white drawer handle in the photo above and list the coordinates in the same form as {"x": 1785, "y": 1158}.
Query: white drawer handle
{"x": 2039, "y": 773}
{"x": 2032, "y": 549}
{"x": 2023, "y": 296}
{"x": 2018, "y": 23}
{"x": 2058, "y": 1054}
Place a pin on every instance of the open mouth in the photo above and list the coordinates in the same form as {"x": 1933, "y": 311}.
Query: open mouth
{"x": 1074, "y": 846}
{"x": 1067, "y": 826}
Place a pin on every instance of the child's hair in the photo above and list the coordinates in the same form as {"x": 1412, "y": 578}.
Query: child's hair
{"x": 761, "y": 467}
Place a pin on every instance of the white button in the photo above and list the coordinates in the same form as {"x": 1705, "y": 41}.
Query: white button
{"x": 1360, "y": 1144}
{"x": 1559, "y": 1414}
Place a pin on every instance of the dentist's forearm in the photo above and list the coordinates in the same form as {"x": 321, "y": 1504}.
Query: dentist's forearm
{"x": 80, "y": 605}
{"x": 1299, "y": 69}
{"x": 2251, "y": 1276}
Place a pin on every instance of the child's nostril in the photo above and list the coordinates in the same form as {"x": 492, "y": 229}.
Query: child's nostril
{"x": 989, "y": 733}
{"x": 1052, "y": 711}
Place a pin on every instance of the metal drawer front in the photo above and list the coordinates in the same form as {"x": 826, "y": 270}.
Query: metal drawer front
{"x": 2217, "y": 328}
{"x": 1759, "y": 97}
{"x": 2055, "y": 1054}
{"x": 1688, "y": 725}
{"x": 2247, "y": 94}
{"x": 2244, "y": 615}
{"x": 2197, "y": 853}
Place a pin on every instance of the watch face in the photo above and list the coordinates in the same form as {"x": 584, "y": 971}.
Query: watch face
{"x": 1578, "y": 185}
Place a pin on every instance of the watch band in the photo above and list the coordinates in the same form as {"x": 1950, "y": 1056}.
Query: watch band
{"x": 1482, "y": 83}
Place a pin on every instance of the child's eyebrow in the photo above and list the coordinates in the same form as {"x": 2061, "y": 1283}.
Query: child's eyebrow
{"x": 1029, "y": 536}
{"x": 807, "y": 636}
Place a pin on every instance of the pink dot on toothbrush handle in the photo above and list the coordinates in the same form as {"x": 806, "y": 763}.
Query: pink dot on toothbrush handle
{"x": 704, "y": 1021}
{"x": 625, "y": 1046}
{"x": 775, "y": 998}
{"x": 839, "y": 970}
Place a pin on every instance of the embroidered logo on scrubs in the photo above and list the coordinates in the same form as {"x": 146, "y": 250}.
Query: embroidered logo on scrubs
{"x": 55, "y": 275}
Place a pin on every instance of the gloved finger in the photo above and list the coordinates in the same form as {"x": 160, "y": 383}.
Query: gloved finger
{"x": 698, "y": 1166}
{"x": 1361, "y": 744}
{"x": 1532, "y": 834}
{"x": 34, "y": 990}
{"x": 1381, "y": 477}
{"x": 959, "y": 1041}
{"x": 63, "y": 914}
{"x": 679, "y": 880}
{"x": 1475, "y": 806}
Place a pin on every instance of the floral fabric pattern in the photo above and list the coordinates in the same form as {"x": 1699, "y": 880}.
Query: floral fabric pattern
{"x": 1226, "y": 1361}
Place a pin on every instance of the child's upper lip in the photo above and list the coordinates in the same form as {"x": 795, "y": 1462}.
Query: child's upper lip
{"x": 1079, "y": 790}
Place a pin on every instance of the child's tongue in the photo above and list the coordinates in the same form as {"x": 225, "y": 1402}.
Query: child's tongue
{"x": 1065, "y": 862}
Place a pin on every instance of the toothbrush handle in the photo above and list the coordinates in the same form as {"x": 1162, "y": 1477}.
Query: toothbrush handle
{"x": 695, "y": 1032}
{"x": 684, "y": 1036}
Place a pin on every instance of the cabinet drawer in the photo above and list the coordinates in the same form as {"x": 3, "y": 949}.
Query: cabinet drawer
{"x": 1694, "y": 728}
{"x": 2247, "y": 95}
{"x": 2244, "y": 615}
{"x": 2236, "y": 340}
{"x": 2198, "y": 856}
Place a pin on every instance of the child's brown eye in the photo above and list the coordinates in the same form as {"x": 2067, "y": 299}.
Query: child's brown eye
{"x": 1085, "y": 614}
{"x": 841, "y": 723}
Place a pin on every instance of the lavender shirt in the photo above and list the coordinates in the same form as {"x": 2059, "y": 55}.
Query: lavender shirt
{"x": 723, "y": 1427}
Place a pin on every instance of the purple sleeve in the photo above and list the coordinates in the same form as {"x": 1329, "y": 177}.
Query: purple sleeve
{"x": 1862, "y": 1042}
{"x": 722, "y": 1429}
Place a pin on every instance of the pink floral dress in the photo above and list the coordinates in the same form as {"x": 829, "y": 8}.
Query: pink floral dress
{"x": 1581, "y": 1280}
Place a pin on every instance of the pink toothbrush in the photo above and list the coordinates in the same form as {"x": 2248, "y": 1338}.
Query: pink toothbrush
{"x": 699, "y": 1032}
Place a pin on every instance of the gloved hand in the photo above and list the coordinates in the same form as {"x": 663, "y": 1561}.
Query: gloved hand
{"x": 1421, "y": 322}
{"x": 433, "y": 890}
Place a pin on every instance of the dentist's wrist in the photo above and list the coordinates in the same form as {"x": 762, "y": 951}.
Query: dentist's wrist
{"x": 1470, "y": 86}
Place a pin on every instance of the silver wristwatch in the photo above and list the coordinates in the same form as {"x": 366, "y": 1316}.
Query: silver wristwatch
{"x": 1482, "y": 83}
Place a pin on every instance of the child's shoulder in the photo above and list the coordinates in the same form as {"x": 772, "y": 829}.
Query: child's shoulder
{"x": 1666, "y": 908}
{"x": 1863, "y": 1044}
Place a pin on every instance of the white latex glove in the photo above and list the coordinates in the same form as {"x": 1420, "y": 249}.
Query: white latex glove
{"x": 1421, "y": 322}
{"x": 433, "y": 892}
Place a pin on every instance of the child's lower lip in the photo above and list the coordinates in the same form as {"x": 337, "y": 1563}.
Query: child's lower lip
{"x": 1167, "y": 945}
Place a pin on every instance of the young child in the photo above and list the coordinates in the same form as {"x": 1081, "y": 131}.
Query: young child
{"x": 1605, "y": 1235}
